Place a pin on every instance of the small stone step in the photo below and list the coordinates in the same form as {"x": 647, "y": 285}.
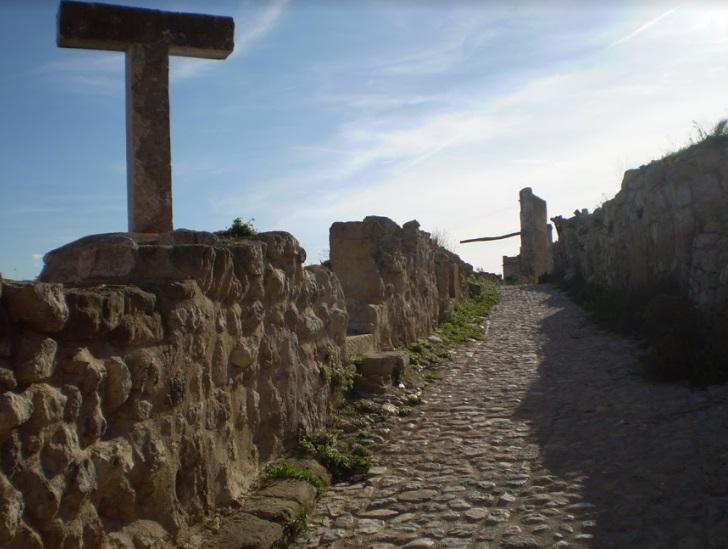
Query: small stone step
{"x": 379, "y": 371}
{"x": 300, "y": 491}
{"x": 245, "y": 531}
{"x": 358, "y": 345}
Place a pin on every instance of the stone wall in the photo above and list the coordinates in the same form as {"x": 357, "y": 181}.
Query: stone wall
{"x": 148, "y": 377}
{"x": 398, "y": 283}
{"x": 668, "y": 225}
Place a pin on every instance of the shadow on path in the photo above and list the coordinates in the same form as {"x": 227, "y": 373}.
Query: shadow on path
{"x": 652, "y": 459}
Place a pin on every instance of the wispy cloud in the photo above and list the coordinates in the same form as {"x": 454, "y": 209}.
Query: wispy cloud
{"x": 458, "y": 165}
{"x": 88, "y": 72}
{"x": 643, "y": 28}
{"x": 251, "y": 24}
{"x": 261, "y": 25}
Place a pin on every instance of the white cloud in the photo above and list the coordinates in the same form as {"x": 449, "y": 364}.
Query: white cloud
{"x": 569, "y": 135}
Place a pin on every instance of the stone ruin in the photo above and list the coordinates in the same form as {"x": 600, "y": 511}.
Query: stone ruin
{"x": 145, "y": 380}
{"x": 398, "y": 283}
{"x": 536, "y": 257}
{"x": 666, "y": 226}
{"x": 147, "y": 376}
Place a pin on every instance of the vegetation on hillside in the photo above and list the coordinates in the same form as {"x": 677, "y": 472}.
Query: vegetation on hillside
{"x": 238, "y": 229}
{"x": 718, "y": 135}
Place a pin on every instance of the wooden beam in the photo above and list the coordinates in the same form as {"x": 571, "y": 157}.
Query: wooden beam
{"x": 489, "y": 238}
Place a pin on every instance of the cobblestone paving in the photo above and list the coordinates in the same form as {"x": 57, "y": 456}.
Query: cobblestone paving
{"x": 545, "y": 435}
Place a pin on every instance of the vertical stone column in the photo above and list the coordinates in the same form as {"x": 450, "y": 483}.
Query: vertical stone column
{"x": 536, "y": 256}
{"x": 149, "y": 171}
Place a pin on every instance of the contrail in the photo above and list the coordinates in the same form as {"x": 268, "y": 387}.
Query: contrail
{"x": 643, "y": 28}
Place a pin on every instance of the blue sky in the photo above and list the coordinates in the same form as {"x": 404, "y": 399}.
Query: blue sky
{"x": 332, "y": 111}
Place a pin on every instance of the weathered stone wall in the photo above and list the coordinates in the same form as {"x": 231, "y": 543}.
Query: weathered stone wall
{"x": 398, "y": 283}
{"x": 667, "y": 225}
{"x": 149, "y": 386}
{"x": 535, "y": 254}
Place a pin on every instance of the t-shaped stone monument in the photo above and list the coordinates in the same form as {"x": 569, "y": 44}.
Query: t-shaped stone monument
{"x": 148, "y": 37}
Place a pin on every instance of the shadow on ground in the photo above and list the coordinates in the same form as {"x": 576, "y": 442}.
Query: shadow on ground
{"x": 652, "y": 459}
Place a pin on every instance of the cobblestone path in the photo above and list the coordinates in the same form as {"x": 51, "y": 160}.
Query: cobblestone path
{"x": 545, "y": 435}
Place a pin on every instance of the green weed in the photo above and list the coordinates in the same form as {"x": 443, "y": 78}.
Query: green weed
{"x": 286, "y": 470}
{"x": 298, "y": 524}
{"x": 462, "y": 324}
{"x": 342, "y": 459}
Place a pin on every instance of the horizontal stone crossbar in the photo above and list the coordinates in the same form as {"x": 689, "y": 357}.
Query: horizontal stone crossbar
{"x": 107, "y": 27}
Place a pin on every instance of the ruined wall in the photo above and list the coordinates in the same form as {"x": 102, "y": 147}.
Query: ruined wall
{"x": 667, "y": 225}
{"x": 398, "y": 283}
{"x": 511, "y": 268}
{"x": 148, "y": 388}
{"x": 535, "y": 254}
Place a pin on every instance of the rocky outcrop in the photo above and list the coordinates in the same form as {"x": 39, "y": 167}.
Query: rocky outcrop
{"x": 398, "y": 283}
{"x": 145, "y": 379}
{"x": 667, "y": 226}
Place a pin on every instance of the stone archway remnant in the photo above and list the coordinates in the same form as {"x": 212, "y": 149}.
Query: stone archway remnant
{"x": 148, "y": 38}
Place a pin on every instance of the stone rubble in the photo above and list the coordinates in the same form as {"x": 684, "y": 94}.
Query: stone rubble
{"x": 545, "y": 435}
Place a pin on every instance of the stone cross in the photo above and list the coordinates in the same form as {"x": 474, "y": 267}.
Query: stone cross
{"x": 148, "y": 37}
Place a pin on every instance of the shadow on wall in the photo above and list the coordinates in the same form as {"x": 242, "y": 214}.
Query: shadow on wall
{"x": 651, "y": 459}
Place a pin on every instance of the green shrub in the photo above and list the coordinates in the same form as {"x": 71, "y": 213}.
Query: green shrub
{"x": 239, "y": 228}
{"x": 342, "y": 459}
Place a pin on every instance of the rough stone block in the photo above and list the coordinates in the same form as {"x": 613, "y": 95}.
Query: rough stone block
{"x": 41, "y": 307}
{"x": 314, "y": 467}
{"x": 48, "y": 403}
{"x": 379, "y": 371}
{"x": 14, "y": 411}
{"x": 118, "y": 383}
{"x": 300, "y": 491}
{"x": 246, "y": 531}
{"x": 358, "y": 345}
{"x": 36, "y": 358}
{"x": 277, "y": 510}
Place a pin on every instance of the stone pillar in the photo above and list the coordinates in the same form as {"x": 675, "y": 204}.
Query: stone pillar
{"x": 149, "y": 171}
{"x": 536, "y": 256}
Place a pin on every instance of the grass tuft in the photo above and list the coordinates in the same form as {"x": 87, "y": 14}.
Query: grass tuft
{"x": 342, "y": 459}
{"x": 286, "y": 470}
